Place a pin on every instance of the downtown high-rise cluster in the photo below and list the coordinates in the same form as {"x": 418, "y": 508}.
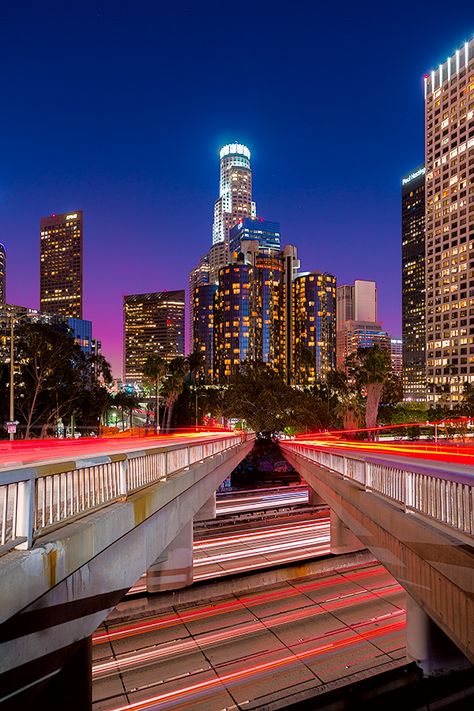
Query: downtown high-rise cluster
{"x": 249, "y": 300}
{"x": 438, "y": 241}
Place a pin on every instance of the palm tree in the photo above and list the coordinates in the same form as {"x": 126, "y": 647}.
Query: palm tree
{"x": 154, "y": 370}
{"x": 370, "y": 368}
{"x": 173, "y": 387}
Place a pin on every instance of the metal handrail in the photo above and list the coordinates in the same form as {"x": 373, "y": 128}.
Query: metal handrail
{"x": 37, "y": 498}
{"x": 446, "y": 497}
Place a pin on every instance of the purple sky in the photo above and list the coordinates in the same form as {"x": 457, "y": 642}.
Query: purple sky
{"x": 121, "y": 111}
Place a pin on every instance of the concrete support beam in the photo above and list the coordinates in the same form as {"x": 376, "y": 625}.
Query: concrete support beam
{"x": 314, "y": 499}
{"x": 342, "y": 540}
{"x": 70, "y": 688}
{"x": 173, "y": 569}
{"x": 428, "y": 645}
{"x": 208, "y": 511}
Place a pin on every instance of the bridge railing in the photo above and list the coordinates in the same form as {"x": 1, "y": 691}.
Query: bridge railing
{"x": 447, "y": 497}
{"x": 36, "y": 499}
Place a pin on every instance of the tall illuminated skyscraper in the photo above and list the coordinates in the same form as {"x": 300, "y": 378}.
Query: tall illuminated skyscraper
{"x": 314, "y": 327}
{"x": 61, "y": 264}
{"x": 203, "y": 329}
{"x": 3, "y": 275}
{"x": 153, "y": 324}
{"x": 197, "y": 277}
{"x": 449, "y": 226}
{"x": 233, "y": 204}
{"x": 413, "y": 286}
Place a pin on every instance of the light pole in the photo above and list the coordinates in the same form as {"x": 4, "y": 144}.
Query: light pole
{"x": 12, "y": 375}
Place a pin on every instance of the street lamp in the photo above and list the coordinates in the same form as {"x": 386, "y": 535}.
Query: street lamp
{"x": 12, "y": 423}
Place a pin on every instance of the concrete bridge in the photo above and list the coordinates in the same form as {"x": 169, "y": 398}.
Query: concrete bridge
{"x": 75, "y": 536}
{"x": 417, "y": 517}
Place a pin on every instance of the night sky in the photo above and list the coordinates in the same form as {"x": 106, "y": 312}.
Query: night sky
{"x": 119, "y": 108}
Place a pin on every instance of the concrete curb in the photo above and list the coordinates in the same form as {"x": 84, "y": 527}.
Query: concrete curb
{"x": 205, "y": 591}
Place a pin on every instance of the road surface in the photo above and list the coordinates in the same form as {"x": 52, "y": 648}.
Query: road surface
{"x": 244, "y": 650}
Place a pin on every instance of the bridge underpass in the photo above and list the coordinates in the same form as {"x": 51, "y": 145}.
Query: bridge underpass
{"x": 417, "y": 517}
{"x": 76, "y": 535}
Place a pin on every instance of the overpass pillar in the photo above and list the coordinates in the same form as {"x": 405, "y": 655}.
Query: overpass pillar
{"x": 314, "y": 499}
{"x": 342, "y": 540}
{"x": 428, "y": 645}
{"x": 207, "y": 511}
{"x": 174, "y": 567}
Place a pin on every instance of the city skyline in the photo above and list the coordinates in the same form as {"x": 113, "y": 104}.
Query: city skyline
{"x": 131, "y": 196}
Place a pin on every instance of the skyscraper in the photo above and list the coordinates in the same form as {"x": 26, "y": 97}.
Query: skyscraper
{"x": 3, "y": 275}
{"x": 231, "y": 320}
{"x": 413, "y": 285}
{"x": 356, "y": 319}
{"x": 449, "y": 226}
{"x": 233, "y": 204}
{"x": 61, "y": 264}
{"x": 197, "y": 277}
{"x": 153, "y": 324}
{"x": 314, "y": 327}
{"x": 203, "y": 328}
{"x": 265, "y": 233}
{"x": 396, "y": 355}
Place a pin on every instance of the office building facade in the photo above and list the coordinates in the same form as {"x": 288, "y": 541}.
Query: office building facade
{"x": 197, "y": 277}
{"x": 359, "y": 334}
{"x": 233, "y": 204}
{"x": 396, "y": 356}
{"x": 449, "y": 226}
{"x": 153, "y": 325}
{"x": 61, "y": 239}
{"x": 413, "y": 285}
{"x": 203, "y": 329}
{"x": 265, "y": 233}
{"x": 314, "y": 327}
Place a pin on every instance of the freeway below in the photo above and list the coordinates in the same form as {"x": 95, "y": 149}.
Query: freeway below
{"x": 239, "y": 549}
{"x": 257, "y": 500}
{"x": 247, "y": 649}
{"x": 35, "y": 451}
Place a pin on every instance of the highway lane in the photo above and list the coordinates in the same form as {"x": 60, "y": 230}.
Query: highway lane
{"x": 265, "y": 499}
{"x": 244, "y": 650}
{"x": 263, "y": 546}
{"x": 22, "y": 452}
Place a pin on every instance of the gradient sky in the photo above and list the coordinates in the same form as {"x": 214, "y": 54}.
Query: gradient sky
{"x": 119, "y": 108}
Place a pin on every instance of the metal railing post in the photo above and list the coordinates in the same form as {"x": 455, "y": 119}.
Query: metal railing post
{"x": 25, "y": 513}
{"x": 123, "y": 478}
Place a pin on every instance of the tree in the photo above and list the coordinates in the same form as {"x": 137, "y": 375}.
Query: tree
{"x": 257, "y": 394}
{"x": 154, "y": 370}
{"x": 369, "y": 369}
{"x": 57, "y": 379}
{"x": 173, "y": 386}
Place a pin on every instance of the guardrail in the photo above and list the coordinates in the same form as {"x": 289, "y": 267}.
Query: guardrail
{"x": 446, "y": 497}
{"x": 36, "y": 499}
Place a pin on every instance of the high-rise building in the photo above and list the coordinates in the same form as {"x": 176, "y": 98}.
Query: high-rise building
{"x": 197, "y": 277}
{"x": 153, "y": 324}
{"x": 359, "y": 334}
{"x": 396, "y": 356}
{"x": 449, "y": 226}
{"x": 3, "y": 275}
{"x": 79, "y": 329}
{"x": 203, "y": 328}
{"x": 314, "y": 327}
{"x": 265, "y": 233}
{"x": 413, "y": 285}
{"x": 234, "y": 202}
{"x": 61, "y": 264}
{"x": 231, "y": 320}
{"x": 357, "y": 302}
{"x": 356, "y": 319}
